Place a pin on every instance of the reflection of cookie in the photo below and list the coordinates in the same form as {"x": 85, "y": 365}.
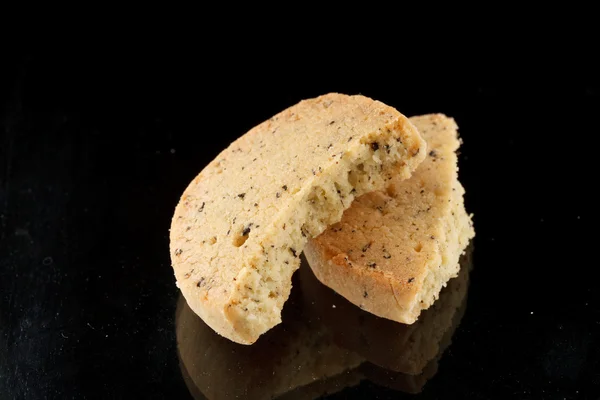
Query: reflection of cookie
{"x": 389, "y": 344}
{"x": 394, "y": 250}
{"x": 397, "y": 380}
{"x": 414, "y": 383}
{"x": 242, "y": 223}
{"x": 327, "y": 386}
{"x": 293, "y": 357}
{"x": 299, "y": 359}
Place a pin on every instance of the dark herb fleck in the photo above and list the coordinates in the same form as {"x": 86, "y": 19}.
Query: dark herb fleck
{"x": 366, "y": 247}
{"x": 371, "y": 264}
{"x": 188, "y": 228}
{"x": 241, "y": 195}
{"x": 284, "y": 187}
{"x": 387, "y": 148}
{"x": 432, "y": 237}
{"x": 200, "y": 282}
{"x": 365, "y": 294}
{"x": 410, "y": 280}
{"x": 178, "y": 252}
{"x": 229, "y": 231}
{"x": 332, "y": 122}
{"x": 350, "y": 138}
{"x": 375, "y": 146}
{"x": 201, "y": 207}
{"x": 432, "y": 153}
{"x": 255, "y": 204}
{"x": 278, "y": 195}
{"x": 330, "y": 146}
{"x": 293, "y": 251}
{"x": 246, "y": 230}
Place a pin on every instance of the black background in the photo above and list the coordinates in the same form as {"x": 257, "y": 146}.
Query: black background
{"x": 99, "y": 140}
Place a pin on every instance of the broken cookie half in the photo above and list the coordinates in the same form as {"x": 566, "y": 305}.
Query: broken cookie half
{"x": 394, "y": 250}
{"x": 241, "y": 224}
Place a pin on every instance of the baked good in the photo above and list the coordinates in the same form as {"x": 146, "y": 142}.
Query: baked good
{"x": 242, "y": 223}
{"x": 395, "y": 249}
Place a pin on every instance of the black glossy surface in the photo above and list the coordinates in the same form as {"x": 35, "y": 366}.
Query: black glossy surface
{"x": 96, "y": 148}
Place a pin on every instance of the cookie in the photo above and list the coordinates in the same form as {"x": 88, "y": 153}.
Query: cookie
{"x": 394, "y": 250}
{"x": 242, "y": 223}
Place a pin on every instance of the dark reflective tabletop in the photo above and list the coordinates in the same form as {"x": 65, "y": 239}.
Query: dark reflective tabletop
{"x": 98, "y": 143}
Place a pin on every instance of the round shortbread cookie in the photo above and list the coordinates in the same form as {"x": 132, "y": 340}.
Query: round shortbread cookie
{"x": 242, "y": 223}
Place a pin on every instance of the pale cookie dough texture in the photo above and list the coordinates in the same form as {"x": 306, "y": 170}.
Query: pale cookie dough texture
{"x": 241, "y": 224}
{"x": 394, "y": 250}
